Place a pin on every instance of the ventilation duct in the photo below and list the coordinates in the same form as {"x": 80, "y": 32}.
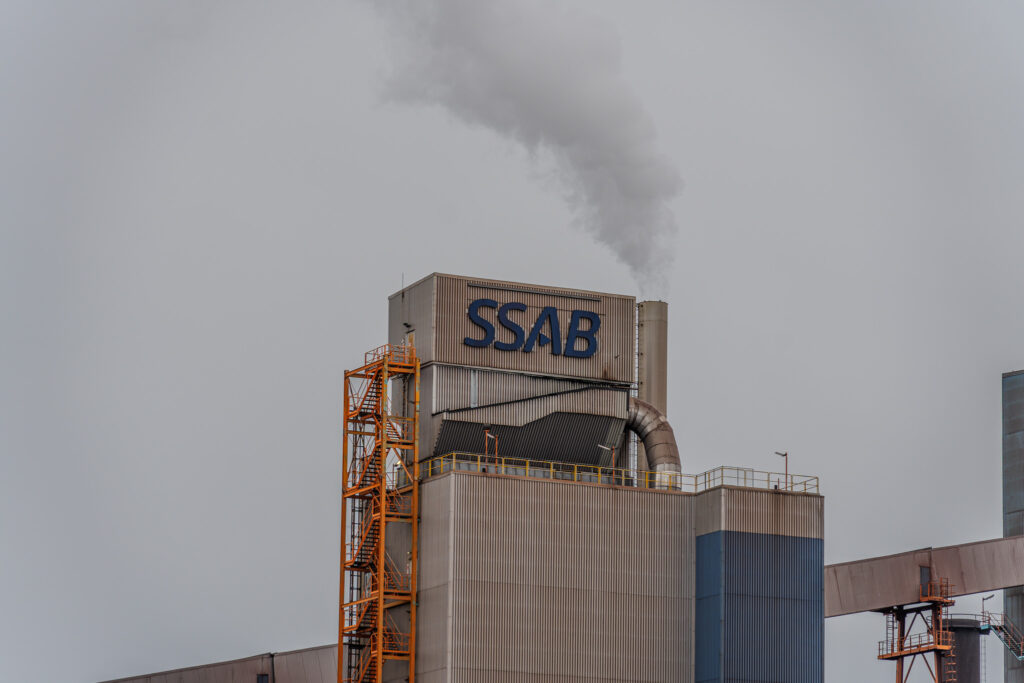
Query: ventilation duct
{"x": 652, "y": 428}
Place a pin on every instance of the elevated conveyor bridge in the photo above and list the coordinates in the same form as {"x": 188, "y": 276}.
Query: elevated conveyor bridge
{"x": 916, "y": 589}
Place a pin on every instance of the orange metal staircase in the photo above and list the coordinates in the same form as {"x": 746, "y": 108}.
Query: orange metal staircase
{"x": 904, "y": 645}
{"x": 377, "y": 615}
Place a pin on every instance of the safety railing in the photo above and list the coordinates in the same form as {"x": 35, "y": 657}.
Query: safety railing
{"x": 916, "y": 643}
{"x": 593, "y": 474}
{"x": 936, "y": 590}
{"x": 1005, "y": 630}
{"x": 400, "y": 353}
{"x": 744, "y": 477}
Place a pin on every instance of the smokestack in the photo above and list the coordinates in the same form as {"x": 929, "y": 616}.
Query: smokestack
{"x": 652, "y": 361}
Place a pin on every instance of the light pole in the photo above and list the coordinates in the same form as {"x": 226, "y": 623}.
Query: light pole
{"x": 984, "y": 651}
{"x": 786, "y": 457}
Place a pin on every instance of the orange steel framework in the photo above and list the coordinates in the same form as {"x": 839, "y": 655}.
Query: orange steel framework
{"x": 379, "y": 517}
{"x": 902, "y": 643}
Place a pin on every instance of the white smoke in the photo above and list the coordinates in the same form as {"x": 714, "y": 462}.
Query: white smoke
{"x": 549, "y": 78}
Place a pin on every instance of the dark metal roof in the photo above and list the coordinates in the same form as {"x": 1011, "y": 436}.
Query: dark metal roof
{"x": 560, "y": 437}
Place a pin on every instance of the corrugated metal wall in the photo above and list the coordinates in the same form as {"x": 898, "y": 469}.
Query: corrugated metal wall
{"x": 477, "y": 397}
{"x": 1013, "y": 498}
{"x": 437, "y": 305}
{"x": 433, "y": 611}
{"x": 532, "y": 580}
{"x": 555, "y": 582}
{"x": 472, "y": 387}
{"x": 411, "y": 312}
{"x": 759, "y": 587}
{"x": 612, "y": 362}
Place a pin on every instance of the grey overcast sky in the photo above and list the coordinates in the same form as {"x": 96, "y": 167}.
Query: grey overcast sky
{"x": 203, "y": 207}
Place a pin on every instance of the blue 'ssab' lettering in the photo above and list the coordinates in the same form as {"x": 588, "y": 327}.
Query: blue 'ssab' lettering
{"x": 550, "y": 316}
{"x": 589, "y": 335}
{"x": 545, "y": 331}
{"x": 518, "y": 331}
{"x": 487, "y": 327}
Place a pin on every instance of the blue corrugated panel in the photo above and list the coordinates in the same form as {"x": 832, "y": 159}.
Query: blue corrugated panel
{"x": 767, "y": 594}
{"x": 708, "y": 608}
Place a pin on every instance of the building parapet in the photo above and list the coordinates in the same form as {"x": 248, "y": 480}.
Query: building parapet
{"x": 726, "y": 476}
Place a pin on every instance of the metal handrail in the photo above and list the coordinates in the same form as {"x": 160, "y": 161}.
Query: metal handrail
{"x": 399, "y": 353}
{"x": 740, "y": 477}
{"x": 916, "y": 642}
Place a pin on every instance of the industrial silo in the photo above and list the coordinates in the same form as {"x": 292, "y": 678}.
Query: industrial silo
{"x": 966, "y": 649}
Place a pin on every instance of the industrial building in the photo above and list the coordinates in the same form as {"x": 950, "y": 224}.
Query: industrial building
{"x": 539, "y": 546}
{"x": 515, "y": 508}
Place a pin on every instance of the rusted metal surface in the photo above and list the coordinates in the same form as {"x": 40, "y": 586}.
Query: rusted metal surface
{"x": 881, "y": 582}
{"x": 761, "y": 512}
{"x": 771, "y": 512}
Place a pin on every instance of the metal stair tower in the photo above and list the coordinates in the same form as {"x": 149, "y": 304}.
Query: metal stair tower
{"x": 379, "y": 518}
{"x": 905, "y": 646}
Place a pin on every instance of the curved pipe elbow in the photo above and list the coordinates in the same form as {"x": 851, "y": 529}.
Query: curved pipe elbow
{"x": 652, "y": 428}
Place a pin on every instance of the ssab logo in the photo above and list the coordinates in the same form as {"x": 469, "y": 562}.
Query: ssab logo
{"x": 548, "y": 319}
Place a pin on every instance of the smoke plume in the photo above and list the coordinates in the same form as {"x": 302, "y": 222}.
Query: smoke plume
{"x": 549, "y": 79}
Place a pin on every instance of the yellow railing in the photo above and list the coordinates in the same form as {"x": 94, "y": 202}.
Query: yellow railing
{"x": 592, "y": 474}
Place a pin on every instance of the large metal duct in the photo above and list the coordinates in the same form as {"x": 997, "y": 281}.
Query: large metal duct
{"x": 652, "y": 361}
{"x": 652, "y": 351}
{"x": 652, "y": 428}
